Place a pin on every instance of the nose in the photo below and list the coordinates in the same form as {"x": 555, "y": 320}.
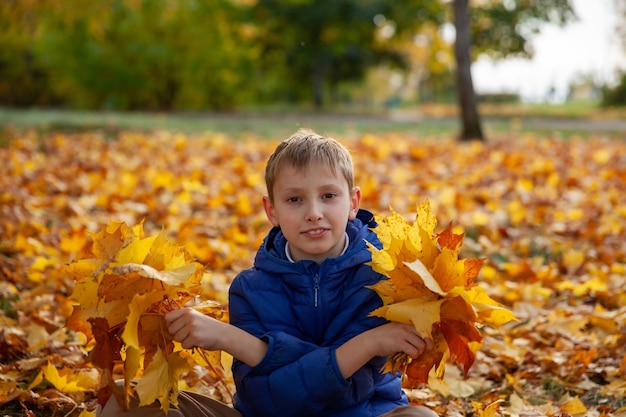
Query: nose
{"x": 314, "y": 213}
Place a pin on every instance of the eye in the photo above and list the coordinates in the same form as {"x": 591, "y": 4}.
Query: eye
{"x": 293, "y": 199}
{"x": 329, "y": 196}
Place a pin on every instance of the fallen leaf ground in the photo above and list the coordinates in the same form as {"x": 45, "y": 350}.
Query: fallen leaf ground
{"x": 548, "y": 213}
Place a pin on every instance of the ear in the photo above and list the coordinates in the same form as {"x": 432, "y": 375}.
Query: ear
{"x": 269, "y": 211}
{"x": 355, "y": 202}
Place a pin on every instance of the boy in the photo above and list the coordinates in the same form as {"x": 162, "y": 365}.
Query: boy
{"x": 300, "y": 331}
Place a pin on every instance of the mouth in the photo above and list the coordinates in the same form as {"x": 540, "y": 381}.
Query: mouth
{"x": 314, "y": 232}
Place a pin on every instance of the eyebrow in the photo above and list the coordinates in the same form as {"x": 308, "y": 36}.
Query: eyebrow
{"x": 323, "y": 187}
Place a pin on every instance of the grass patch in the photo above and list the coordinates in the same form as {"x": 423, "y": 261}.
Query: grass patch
{"x": 570, "y": 110}
{"x": 423, "y": 121}
{"x": 262, "y": 124}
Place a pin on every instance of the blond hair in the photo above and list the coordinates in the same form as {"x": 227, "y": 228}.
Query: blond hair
{"x": 305, "y": 147}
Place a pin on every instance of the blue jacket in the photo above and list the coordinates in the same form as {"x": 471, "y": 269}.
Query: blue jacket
{"x": 304, "y": 311}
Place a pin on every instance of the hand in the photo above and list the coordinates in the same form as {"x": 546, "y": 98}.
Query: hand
{"x": 194, "y": 329}
{"x": 385, "y": 340}
{"x": 392, "y": 338}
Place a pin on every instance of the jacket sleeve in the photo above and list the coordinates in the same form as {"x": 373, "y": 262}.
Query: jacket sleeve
{"x": 295, "y": 378}
{"x": 303, "y": 387}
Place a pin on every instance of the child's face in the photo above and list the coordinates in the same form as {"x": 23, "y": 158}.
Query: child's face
{"x": 312, "y": 207}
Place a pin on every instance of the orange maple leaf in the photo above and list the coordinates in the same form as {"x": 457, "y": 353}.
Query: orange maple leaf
{"x": 430, "y": 287}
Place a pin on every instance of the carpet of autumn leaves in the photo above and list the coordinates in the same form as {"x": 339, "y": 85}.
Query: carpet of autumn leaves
{"x": 548, "y": 214}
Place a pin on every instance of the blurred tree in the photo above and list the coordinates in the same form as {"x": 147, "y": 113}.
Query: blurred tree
{"x": 468, "y": 102}
{"x": 499, "y": 29}
{"x": 505, "y": 28}
{"x": 615, "y": 95}
{"x": 146, "y": 54}
{"x": 311, "y": 46}
{"x": 23, "y": 79}
{"x": 221, "y": 54}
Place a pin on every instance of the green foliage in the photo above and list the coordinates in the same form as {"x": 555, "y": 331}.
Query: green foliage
{"x": 23, "y": 80}
{"x": 148, "y": 54}
{"x": 226, "y": 54}
{"x": 506, "y": 28}
{"x": 615, "y": 96}
{"x": 313, "y": 46}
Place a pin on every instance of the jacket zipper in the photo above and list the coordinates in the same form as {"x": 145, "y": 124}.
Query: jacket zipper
{"x": 316, "y": 287}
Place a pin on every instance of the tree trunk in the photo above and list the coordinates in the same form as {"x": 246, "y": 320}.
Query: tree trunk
{"x": 468, "y": 101}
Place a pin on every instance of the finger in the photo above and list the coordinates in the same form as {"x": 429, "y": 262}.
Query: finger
{"x": 176, "y": 327}
{"x": 412, "y": 351}
{"x": 187, "y": 343}
{"x": 430, "y": 344}
{"x": 173, "y": 315}
{"x": 420, "y": 346}
{"x": 417, "y": 346}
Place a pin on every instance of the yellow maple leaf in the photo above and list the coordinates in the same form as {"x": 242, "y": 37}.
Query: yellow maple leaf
{"x": 430, "y": 287}
{"x": 426, "y": 219}
{"x": 160, "y": 380}
{"x": 427, "y": 278}
{"x": 67, "y": 380}
{"x": 178, "y": 276}
{"x": 573, "y": 406}
{"x": 490, "y": 410}
{"x": 423, "y": 314}
{"x": 86, "y": 286}
{"x": 488, "y": 311}
{"x": 449, "y": 270}
{"x": 136, "y": 251}
{"x": 154, "y": 384}
{"x": 140, "y": 303}
{"x": 164, "y": 256}
{"x": 132, "y": 365}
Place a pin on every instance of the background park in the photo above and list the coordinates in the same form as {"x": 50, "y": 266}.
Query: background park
{"x": 160, "y": 115}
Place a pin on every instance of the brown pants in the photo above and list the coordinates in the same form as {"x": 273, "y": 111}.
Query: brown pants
{"x": 190, "y": 404}
{"x": 196, "y": 405}
{"x": 411, "y": 411}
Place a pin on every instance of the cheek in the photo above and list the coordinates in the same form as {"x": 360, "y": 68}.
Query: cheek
{"x": 283, "y": 218}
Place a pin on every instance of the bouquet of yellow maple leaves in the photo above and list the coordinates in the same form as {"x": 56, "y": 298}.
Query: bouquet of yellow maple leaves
{"x": 430, "y": 287}
{"x": 123, "y": 288}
